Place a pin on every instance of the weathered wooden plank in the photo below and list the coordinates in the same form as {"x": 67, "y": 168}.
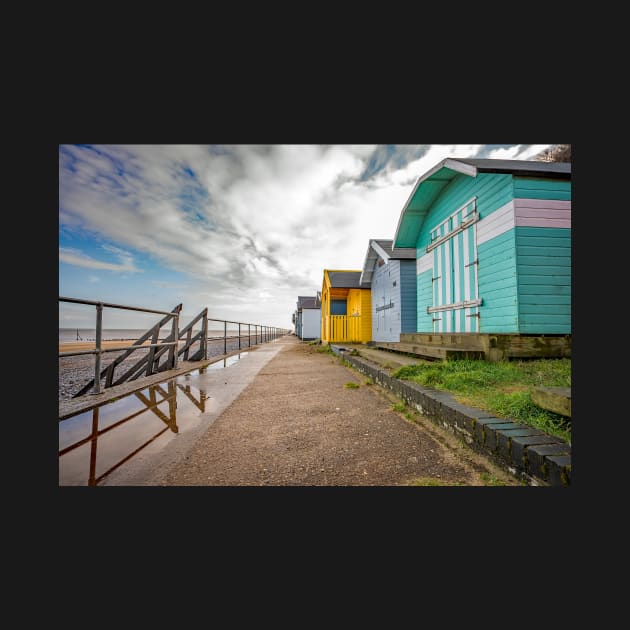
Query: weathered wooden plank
{"x": 526, "y": 291}
{"x": 541, "y": 188}
{"x": 559, "y": 268}
{"x": 534, "y": 232}
{"x": 151, "y": 355}
{"x": 543, "y": 240}
{"x": 495, "y": 223}
{"x": 544, "y": 299}
{"x": 548, "y": 252}
{"x": 497, "y": 259}
{"x": 559, "y": 204}
{"x": 544, "y": 213}
{"x": 539, "y": 279}
{"x": 424, "y": 263}
{"x": 497, "y": 283}
{"x": 542, "y": 222}
{"x": 556, "y": 399}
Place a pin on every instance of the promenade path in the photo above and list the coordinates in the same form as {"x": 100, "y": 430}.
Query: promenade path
{"x": 295, "y": 423}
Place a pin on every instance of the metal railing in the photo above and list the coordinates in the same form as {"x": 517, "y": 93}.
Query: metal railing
{"x": 169, "y": 347}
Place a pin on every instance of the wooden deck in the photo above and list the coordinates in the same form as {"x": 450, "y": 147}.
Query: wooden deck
{"x": 492, "y": 347}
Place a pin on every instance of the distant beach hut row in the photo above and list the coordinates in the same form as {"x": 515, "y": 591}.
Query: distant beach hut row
{"x": 482, "y": 248}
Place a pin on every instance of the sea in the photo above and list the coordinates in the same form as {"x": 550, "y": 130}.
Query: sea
{"x": 124, "y": 334}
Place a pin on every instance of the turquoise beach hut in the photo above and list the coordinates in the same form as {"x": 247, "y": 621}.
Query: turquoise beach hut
{"x": 493, "y": 253}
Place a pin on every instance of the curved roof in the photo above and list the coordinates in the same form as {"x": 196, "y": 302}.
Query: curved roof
{"x": 430, "y": 185}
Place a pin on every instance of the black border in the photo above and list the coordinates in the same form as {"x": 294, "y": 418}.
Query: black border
{"x": 451, "y": 515}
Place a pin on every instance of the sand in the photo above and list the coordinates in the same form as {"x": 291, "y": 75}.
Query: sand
{"x": 72, "y": 346}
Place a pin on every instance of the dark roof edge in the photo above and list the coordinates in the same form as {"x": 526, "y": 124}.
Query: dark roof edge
{"x": 519, "y": 167}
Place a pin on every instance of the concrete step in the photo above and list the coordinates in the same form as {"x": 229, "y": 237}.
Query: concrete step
{"x": 433, "y": 351}
{"x": 386, "y": 359}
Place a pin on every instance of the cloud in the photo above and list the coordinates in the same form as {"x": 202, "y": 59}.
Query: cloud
{"x": 242, "y": 221}
{"x": 76, "y": 257}
{"x": 93, "y": 279}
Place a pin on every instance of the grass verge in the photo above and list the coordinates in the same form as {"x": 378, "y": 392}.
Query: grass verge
{"x": 502, "y": 388}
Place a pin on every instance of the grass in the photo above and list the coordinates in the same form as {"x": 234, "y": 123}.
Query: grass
{"x": 400, "y": 407}
{"x": 325, "y": 348}
{"x": 369, "y": 381}
{"x": 502, "y": 388}
{"x": 351, "y": 385}
{"x": 432, "y": 481}
{"x": 490, "y": 480}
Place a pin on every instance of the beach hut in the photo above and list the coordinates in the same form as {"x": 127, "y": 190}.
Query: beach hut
{"x": 345, "y": 307}
{"x": 493, "y": 241}
{"x": 307, "y": 317}
{"x": 391, "y": 274}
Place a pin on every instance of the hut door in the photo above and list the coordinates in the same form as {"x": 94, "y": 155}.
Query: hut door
{"x": 455, "y": 272}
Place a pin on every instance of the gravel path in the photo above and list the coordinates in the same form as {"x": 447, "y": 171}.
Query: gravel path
{"x": 298, "y": 424}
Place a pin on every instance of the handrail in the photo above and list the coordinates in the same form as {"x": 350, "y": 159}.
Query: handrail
{"x": 109, "y": 305}
{"x": 156, "y": 349}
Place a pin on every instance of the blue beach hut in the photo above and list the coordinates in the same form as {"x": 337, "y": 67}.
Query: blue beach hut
{"x": 391, "y": 273}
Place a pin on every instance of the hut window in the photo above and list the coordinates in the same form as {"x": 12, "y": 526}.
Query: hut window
{"x": 394, "y": 283}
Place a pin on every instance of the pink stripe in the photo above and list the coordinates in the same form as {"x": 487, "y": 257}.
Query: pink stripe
{"x": 542, "y": 213}
{"x": 542, "y": 203}
{"x": 542, "y": 222}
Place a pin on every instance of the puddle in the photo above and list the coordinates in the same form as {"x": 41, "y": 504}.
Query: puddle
{"x": 94, "y": 443}
{"x": 224, "y": 362}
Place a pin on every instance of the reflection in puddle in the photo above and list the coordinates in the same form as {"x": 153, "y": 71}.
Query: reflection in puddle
{"x": 225, "y": 362}
{"x": 94, "y": 443}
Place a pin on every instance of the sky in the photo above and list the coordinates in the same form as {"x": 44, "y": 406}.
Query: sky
{"x": 240, "y": 229}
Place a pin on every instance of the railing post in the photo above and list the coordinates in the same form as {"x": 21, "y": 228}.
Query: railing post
{"x": 224, "y": 337}
{"x": 175, "y": 330}
{"x": 97, "y": 359}
{"x": 204, "y": 335}
{"x": 249, "y": 335}
{"x": 239, "y": 335}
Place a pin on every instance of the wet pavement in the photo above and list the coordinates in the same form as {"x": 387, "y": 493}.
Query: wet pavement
{"x": 286, "y": 413}
{"x": 130, "y": 438}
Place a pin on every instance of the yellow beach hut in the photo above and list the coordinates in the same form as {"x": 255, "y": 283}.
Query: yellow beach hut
{"x": 346, "y": 307}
